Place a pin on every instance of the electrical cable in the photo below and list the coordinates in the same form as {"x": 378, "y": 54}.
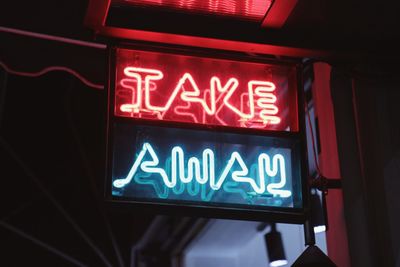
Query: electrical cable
{"x": 41, "y": 244}
{"x": 77, "y": 75}
{"x": 57, "y": 68}
{"x": 39, "y": 184}
{"x": 52, "y": 38}
{"x": 19, "y": 209}
{"x": 50, "y": 69}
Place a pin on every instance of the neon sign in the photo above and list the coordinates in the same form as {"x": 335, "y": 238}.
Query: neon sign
{"x": 238, "y": 170}
{"x": 178, "y": 169}
{"x": 176, "y": 137}
{"x": 168, "y": 87}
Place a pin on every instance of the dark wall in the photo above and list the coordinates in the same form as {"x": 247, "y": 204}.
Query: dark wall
{"x": 367, "y": 119}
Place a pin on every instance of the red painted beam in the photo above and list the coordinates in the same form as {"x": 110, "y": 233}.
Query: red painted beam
{"x": 336, "y": 235}
{"x": 278, "y": 13}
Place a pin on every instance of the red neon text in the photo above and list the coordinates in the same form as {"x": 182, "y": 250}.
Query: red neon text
{"x": 230, "y": 102}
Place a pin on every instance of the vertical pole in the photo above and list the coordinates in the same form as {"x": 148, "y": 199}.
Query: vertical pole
{"x": 336, "y": 236}
{"x": 309, "y": 235}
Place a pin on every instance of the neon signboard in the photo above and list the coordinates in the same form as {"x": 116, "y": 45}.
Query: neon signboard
{"x": 205, "y": 167}
{"x": 212, "y": 135}
{"x": 189, "y": 89}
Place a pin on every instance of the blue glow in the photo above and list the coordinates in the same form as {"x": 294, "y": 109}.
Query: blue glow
{"x": 171, "y": 165}
{"x": 207, "y": 174}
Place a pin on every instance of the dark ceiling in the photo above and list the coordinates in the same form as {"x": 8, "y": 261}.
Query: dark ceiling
{"x": 345, "y": 25}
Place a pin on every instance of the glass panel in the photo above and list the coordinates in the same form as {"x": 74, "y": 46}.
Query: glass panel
{"x": 207, "y": 91}
{"x": 195, "y": 167}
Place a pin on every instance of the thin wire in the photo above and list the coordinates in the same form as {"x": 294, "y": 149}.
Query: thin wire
{"x": 89, "y": 172}
{"x": 19, "y": 209}
{"x": 39, "y": 184}
{"x": 50, "y": 69}
{"x": 41, "y": 244}
{"x": 32, "y": 201}
{"x": 76, "y": 74}
{"x": 52, "y": 38}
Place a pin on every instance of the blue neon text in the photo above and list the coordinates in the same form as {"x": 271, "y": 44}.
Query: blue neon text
{"x": 203, "y": 171}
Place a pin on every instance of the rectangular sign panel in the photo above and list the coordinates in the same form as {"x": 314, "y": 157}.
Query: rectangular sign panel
{"x": 195, "y": 167}
{"x": 205, "y": 91}
{"x": 216, "y": 137}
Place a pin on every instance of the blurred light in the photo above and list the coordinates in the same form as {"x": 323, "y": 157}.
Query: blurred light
{"x": 319, "y": 229}
{"x": 278, "y": 263}
{"x": 317, "y": 213}
{"x": 254, "y": 10}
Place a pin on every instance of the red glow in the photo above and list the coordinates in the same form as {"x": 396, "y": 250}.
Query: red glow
{"x": 279, "y": 13}
{"x": 244, "y": 9}
{"x": 189, "y": 89}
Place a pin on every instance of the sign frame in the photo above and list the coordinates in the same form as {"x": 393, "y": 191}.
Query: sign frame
{"x": 276, "y": 214}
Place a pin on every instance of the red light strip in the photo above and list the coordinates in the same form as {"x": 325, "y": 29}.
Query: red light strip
{"x": 244, "y": 9}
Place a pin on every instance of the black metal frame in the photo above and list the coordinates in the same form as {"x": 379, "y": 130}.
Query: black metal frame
{"x": 287, "y": 215}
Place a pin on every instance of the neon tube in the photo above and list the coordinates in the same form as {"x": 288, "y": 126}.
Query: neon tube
{"x": 259, "y": 105}
{"x": 200, "y": 172}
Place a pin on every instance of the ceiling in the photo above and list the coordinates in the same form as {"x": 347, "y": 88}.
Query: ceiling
{"x": 345, "y": 25}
